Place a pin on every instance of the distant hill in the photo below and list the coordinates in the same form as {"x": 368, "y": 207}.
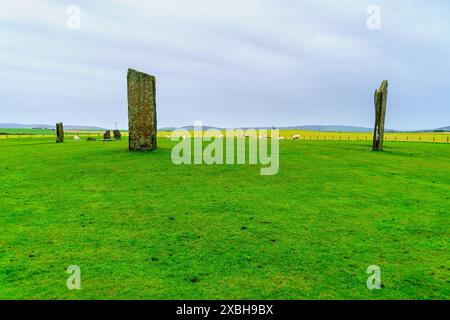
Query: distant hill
{"x": 443, "y": 129}
{"x": 47, "y": 126}
{"x": 25, "y": 126}
{"x": 323, "y": 128}
{"x": 166, "y": 129}
{"x": 330, "y": 128}
{"x": 83, "y": 128}
{"x": 204, "y": 128}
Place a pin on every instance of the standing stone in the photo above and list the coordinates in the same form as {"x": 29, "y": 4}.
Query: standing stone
{"x": 141, "y": 111}
{"x": 59, "y": 132}
{"x": 117, "y": 135}
{"x": 107, "y": 135}
{"x": 380, "y": 116}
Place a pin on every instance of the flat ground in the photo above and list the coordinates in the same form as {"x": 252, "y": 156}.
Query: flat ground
{"x": 140, "y": 227}
{"x": 441, "y": 137}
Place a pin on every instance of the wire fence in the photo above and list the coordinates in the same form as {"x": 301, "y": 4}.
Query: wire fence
{"x": 389, "y": 138}
{"x": 418, "y": 137}
{"x": 46, "y": 135}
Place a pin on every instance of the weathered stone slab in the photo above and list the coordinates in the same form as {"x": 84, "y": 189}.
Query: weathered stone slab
{"x": 141, "y": 111}
{"x": 59, "y": 132}
{"x": 107, "y": 135}
{"x": 380, "y": 116}
{"x": 117, "y": 135}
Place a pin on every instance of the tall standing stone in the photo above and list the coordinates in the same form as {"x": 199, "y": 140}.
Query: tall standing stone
{"x": 380, "y": 116}
{"x": 141, "y": 111}
{"x": 59, "y": 132}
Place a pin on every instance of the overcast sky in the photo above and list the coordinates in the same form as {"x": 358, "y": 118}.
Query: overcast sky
{"x": 229, "y": 63}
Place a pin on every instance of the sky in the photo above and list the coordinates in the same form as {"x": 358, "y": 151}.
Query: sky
{"x": 227, "y": 63}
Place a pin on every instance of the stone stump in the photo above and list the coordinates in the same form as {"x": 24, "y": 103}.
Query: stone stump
{"x": 380, "y": 116}
{"x": 141, "y": 111}
{"x": 107, "y": 135}
{"x": 117, "y": 135}
{"x": 59, "y": 132}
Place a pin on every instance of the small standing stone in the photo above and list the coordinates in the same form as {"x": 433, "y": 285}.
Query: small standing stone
{"x": 59, "y": 132}
{"x": 380, "y": 116}
{"x": 117, "y": 135}
{"x": 141, "y": 111}
{"x": 107, "y": 135}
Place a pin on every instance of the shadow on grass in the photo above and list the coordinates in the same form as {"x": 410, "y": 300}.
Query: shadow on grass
{"x": 156, "y": 151}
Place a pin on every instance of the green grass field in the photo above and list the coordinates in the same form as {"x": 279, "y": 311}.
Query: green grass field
{"x": 10, "y": 131}
{"x": 140, "y": 227}
{"x": 7, "y": 133}
{"x": 441, "y": 137}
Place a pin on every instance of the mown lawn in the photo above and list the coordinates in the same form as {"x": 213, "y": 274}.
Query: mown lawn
{"x": 140, "y": 227}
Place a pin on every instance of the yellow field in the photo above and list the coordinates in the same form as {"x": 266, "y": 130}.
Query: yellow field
{"x": 352, "y": 136}
{"x": 441, "y": 137}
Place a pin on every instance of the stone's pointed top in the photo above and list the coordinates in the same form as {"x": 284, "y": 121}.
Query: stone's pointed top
{"x": 384, "y": 85}
{"x": 133, "y": 72}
